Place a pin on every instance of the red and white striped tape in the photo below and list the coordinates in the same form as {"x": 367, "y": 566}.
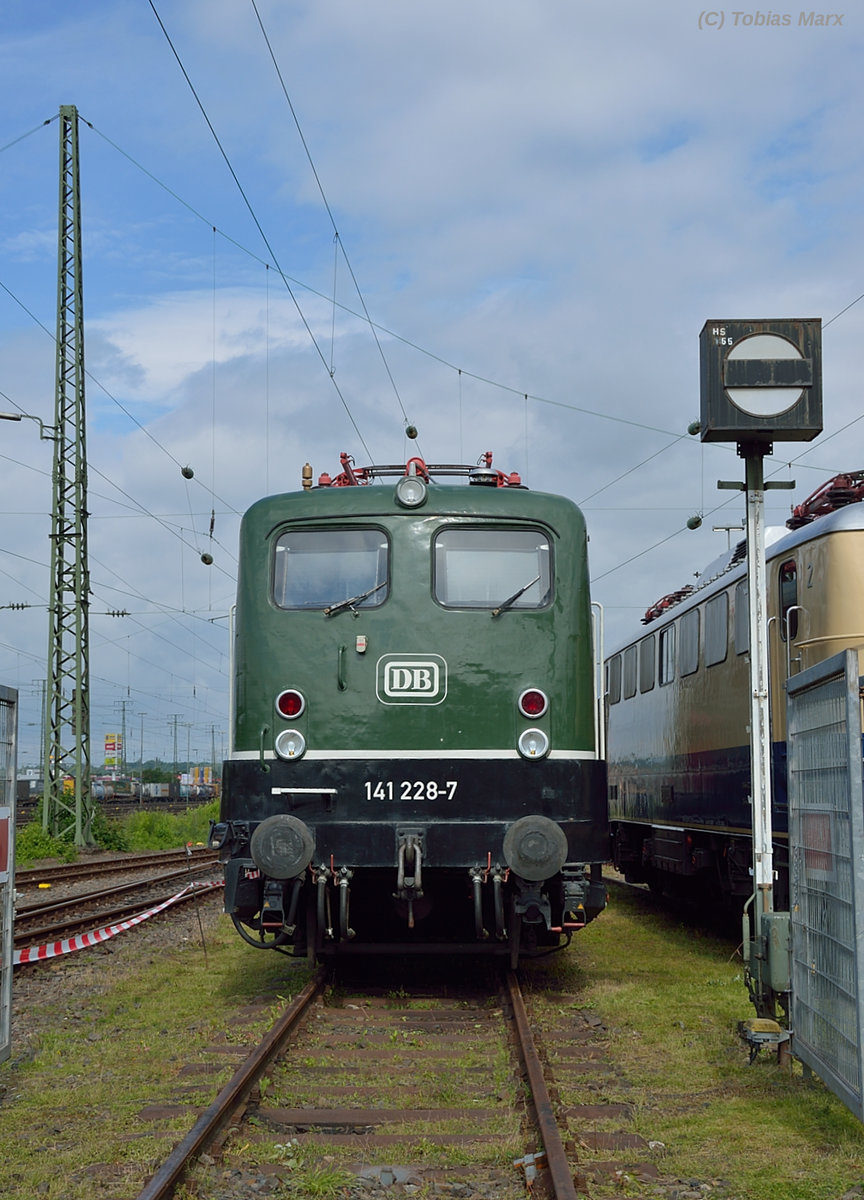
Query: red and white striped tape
{"x": 85, "y": 940}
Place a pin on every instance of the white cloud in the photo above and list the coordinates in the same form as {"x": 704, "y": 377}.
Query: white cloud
{"x": 155, "y": 349}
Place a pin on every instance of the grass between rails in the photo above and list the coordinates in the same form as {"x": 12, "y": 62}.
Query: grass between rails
{"x": 481, "y": 1076}
{"x": 673, "y": 997}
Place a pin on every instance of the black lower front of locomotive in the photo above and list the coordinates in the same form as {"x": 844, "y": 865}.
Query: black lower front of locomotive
{"x": 336, "y": 857}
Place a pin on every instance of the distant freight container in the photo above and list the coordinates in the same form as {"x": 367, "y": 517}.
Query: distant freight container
{"x": 157, "y": 791}
{"x": 28, "y": 787}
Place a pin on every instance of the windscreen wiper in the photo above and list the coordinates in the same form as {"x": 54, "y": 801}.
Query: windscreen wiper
{"x": 511, "y": 600}
{"x": 334, "y": 608}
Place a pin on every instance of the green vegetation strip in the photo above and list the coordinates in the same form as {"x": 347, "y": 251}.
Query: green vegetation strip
{"x": 670, "y": 999}
{"x": 140, "y": 831}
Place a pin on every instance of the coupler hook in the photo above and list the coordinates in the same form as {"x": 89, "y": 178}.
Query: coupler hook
{"x": 410, "y": 858}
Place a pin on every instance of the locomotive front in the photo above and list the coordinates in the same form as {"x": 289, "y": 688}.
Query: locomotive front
{"x": 413, "y": 763}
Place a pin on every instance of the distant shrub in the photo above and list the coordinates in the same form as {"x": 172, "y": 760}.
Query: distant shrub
{"x": 139, "y": 831}
{"x": 108, "y": 834}
{"x": 150, "y": 831}
{"x": 33, "y": 843}
{"x": 164, "y": 831}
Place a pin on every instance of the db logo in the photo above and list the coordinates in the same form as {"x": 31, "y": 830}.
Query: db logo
{"x": 420, "y": 679}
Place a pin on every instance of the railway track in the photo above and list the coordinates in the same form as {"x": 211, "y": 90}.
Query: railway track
{"x": 444, "y": 1083}
{"x": 75, "y": 905}
{"x": 88, "y": 869}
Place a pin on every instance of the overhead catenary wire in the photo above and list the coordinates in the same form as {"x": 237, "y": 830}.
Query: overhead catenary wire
{"x": 624, "y": 474}
{"x": 165, "y": 611}
{"x": 109, "y": 683}
{"x": 259, "y": 227}
{"x": 339, "y": 243}
{"x": 98, "y": 586}
{"x": 94, "y": 470}
{"x": 411, "y": 344}
{"x": 462, "y": 372}
{"x": 23, "y": 136}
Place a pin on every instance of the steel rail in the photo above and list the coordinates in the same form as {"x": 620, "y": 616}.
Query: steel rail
{"x": 161, "y": 1185}
{"x": 71, "y": 902}
{"x": 25, "y": 877}
{"x": 556, "y": 1156}
{"x": 120, "y": 912}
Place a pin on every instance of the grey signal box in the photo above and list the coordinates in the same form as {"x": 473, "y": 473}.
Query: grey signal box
{"x": 761, "y": 381}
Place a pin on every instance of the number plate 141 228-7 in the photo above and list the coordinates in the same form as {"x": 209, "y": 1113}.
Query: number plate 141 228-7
{"x": 410, "y": 789}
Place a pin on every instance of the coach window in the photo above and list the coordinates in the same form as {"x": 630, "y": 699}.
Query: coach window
{"x": 646, "y": 664}
{"x": 319, "y": 568}
{"x": 667, "y": 654}
{"x": 789, "y": 599}
{"x": 613, "y": 679}
{"x": 716, "y": 629}
{"x": 629, "y": 668}
{"x": 688, "y": 649}
{"x": 497, "y": 569}
{"x": 742, "y": 618}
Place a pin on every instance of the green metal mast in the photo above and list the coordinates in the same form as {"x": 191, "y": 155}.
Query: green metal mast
{"x": 69, "y": 809}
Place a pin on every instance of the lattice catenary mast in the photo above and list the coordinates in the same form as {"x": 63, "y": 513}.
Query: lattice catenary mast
{"x": 69, "y": 809}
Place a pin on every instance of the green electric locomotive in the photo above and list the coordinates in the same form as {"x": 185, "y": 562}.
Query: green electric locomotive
{"x": 413, "y": 762}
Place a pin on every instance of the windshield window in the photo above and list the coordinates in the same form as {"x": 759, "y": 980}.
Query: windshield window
{"x": 320, "y": 568}
{"x": 486, "y": 568}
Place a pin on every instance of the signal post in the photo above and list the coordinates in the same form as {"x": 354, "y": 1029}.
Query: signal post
{"x": 761, "y": 381}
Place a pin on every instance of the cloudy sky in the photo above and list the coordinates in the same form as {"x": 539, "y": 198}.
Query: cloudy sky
{"x": 541, "y": 202}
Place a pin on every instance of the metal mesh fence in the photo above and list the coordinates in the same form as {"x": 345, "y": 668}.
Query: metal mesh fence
{"x": 826, "y": 853}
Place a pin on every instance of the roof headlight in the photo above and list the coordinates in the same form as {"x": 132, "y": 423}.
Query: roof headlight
{"x": 290, "y": 744}
{"x": 533, "y": 743}
{"x": 411, "y": 491}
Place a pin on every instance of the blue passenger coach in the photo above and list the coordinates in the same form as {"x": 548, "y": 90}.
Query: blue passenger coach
{"x": 678, "y": 707}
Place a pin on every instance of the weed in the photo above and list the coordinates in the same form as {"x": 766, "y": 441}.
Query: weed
{"x": 321, "y": 1182}
{"x": 448, "y": 1094}
{"x": 289, "y": 1154}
